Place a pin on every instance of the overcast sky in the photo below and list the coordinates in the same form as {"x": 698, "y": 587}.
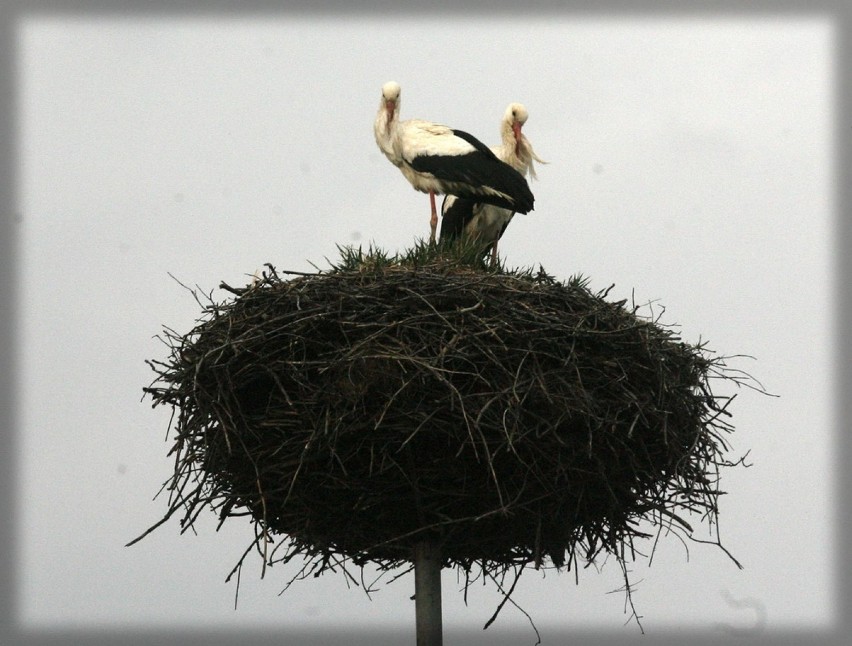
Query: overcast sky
{"x": 690, "y": 165}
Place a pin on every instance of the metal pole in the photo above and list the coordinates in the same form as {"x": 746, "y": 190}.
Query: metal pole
{"x": 427, "y": 593}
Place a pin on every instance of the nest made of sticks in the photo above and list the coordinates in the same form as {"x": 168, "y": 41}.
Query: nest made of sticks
{"x": 515, "y": 419}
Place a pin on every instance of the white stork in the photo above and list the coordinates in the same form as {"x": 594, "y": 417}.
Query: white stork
{"x": 439, "y": 159}
{"x": 487, "y": 222}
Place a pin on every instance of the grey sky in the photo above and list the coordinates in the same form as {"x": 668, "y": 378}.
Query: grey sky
{"x": 690, "y": 164}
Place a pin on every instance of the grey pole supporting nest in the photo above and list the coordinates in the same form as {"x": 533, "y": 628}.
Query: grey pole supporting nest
{"x": 427, "y": 593}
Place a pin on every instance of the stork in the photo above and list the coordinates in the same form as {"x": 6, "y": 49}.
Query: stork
{"x": 488, "y": 222}
{"x": 439, "y": 159}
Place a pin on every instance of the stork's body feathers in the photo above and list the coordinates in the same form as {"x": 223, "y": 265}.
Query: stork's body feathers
{"x": 471, "y": 172}
{"x": 488, "y": 222}
{"x": 437, "y": 159}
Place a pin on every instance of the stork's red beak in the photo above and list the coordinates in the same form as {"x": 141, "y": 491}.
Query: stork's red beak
{"x": 390, "y": 106}
{"x": 516, "y": 128}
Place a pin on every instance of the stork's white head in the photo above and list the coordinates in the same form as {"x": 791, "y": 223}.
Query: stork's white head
{"x": 514, "y": 118}
{"x": 390, "y": 91}
{"x": 390, "y": 98}
{"x": 517, "y": 112}
{"x": 517, "y": 150}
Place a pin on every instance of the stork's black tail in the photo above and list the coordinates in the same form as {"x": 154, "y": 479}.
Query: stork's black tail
{"x": 512, "y": 183}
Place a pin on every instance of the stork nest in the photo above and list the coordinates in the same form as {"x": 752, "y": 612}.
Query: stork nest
{"x": 515, "y": 419}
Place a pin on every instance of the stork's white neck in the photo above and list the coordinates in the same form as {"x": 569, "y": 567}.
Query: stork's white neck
{"x": 386, "y": 127}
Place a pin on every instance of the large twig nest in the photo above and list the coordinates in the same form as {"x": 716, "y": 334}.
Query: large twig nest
{"x": 515, "y": 419}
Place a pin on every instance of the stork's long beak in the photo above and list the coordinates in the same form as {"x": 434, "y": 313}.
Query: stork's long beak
{"x": 516, "y": 128}
{"x": 390, "y": 106}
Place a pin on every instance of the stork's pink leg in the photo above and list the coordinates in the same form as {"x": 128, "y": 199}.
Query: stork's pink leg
{"x": 494, "y": 253}
{"x": 434, "y": 221}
